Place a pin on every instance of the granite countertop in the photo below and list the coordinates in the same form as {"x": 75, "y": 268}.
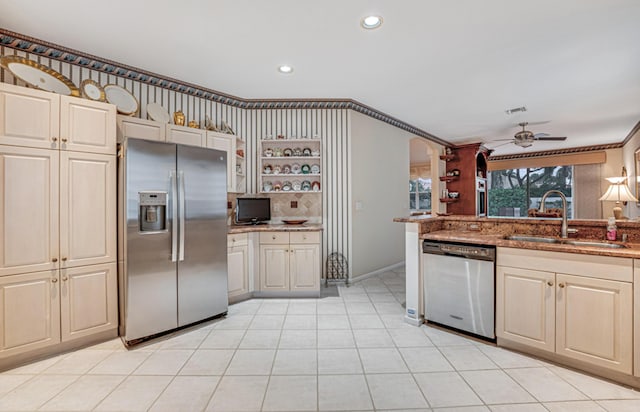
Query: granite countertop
{"x": 632, "y": 250}
{"x": 281, "y": 227}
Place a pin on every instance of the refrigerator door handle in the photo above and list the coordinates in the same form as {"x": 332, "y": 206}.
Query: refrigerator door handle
{"x": 174, "y": 215}
{"x": 182, "y": 214}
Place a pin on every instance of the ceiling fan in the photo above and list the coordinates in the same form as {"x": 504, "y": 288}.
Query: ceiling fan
{"x": 524, "y": 138}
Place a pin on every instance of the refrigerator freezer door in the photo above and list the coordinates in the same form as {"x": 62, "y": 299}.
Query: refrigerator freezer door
{"x": 149, "y": 289}
{"x": 202, "y": 266}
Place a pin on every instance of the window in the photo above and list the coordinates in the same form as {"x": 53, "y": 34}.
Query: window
{"x": 420, "y": 194}
{"x": 513, "y": 192}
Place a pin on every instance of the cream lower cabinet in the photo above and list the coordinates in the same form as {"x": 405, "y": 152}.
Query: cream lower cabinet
{"x": 237, "y": 265}
{"x": 88, "y": 300}
{"x": 525, "y": 307}
{"x": 290, "y": 262}
{"x": 586, "y": 314}
{"x": 29, "y": 312}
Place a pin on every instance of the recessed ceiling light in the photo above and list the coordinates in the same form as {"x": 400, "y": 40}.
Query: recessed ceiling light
{"x": 286, "y": 69}
{"x": 371, "y": 22}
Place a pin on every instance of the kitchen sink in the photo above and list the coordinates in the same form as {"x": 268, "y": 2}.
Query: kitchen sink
{"x": 594, "y": 244}
{"x": 526, "y": 238}
{"x": 541, "y": 239}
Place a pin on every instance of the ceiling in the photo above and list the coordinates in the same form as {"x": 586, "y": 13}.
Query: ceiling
{"x": 450, "y": 68}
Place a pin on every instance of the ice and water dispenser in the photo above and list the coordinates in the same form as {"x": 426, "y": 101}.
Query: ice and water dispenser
{"x": 152, "y": 216}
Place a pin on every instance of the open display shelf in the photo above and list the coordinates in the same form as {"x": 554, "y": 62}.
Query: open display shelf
{"x": 272, "y": 156}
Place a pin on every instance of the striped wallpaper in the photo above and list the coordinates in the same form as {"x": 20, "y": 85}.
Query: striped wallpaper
{"x": 331, "y": 125}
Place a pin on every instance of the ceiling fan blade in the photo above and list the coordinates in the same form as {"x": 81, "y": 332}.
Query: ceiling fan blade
{"x": 503, "y": 140}
{"x": 502, "y": 144}
{"x": 541, "y": 135}
{"x": 554, "y": 138}
{"x": 536, "y": 123}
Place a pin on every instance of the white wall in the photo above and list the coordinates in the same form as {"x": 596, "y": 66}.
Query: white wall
{"x": 380, "y": 184}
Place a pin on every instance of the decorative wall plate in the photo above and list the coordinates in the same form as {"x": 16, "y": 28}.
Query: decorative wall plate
{"x": 39, "y": 76}
{"x": 124, "y": 101}
{"x": 92, "y": 90}
{"x": 158, "y": 113}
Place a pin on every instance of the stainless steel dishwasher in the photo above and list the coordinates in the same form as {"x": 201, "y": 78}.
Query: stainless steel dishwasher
{"x": 459, "y": 286}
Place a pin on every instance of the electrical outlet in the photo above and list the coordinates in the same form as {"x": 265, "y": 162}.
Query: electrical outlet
{"x": 294, "y": 204}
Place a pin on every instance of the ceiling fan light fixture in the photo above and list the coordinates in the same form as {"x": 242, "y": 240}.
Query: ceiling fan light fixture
{"x": 371, "y": 22}
{"x": 285, "y": 69}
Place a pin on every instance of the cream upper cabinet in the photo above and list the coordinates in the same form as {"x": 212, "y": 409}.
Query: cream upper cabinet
{"x": 88, "y": 300}
{"x": 274, "y": 267}
{"x": 305, "y": 267}
{"x": 40, "y": 119}
{"x": 140, "y": 129}
{"x": 525, "y": 306}
{"x": 595, "y": 321}
{"x": 29, "y": 202}
{"x": 29, "y": 117}
{"x": 186, "y": 135}
{"x": 87, "y": 209}
{"x": 29, "y": 312}
{"x": 87, "y": 126}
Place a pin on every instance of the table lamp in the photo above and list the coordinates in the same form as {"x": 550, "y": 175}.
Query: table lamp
{"x": 618, "y": 191}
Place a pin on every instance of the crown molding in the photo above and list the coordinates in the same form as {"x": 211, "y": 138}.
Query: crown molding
{"x": 53, "y": 51}
{"x": 569, "y": 150}
{"x": 633, "y": 131}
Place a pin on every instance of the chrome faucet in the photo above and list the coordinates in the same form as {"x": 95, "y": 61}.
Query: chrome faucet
{"x": 564, "y": 230}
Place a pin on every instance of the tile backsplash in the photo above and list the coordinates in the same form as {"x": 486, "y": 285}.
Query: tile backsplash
{"x": 309, "y": 206}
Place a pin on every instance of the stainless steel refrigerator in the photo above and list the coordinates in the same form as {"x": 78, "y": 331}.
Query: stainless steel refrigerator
{"x": 172, "y": 236}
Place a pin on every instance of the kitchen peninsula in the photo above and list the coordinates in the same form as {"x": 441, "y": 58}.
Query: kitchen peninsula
{"x": 574, "y": 301}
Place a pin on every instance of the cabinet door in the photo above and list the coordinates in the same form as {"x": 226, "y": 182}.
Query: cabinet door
{"x": 140, "y": 129}
{"x": 304, "y": 267}
{"x": 29, "y": 117}
{"x": 274, "y": 267}
{"x": 595, "y": 321}
{"x": 225, "y": 143}
{"x": 185, "y": 135}
{"x": 87, "y": 209}
{"x": 525, "y": 307}
{"x": 237, "y": 267}
{"x": 28, "y": 209}
{"x": 89, "y": 300}
{"x": 87, "y": 126}
{"x": 29, "y": 312}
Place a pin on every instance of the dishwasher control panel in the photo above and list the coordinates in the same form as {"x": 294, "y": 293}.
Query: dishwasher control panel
{"x": 462, "y": 250}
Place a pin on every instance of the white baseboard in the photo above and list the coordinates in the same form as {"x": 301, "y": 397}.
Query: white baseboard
{"x": 377, "y": 272}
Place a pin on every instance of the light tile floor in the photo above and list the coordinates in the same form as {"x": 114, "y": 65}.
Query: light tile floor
{"x": 348, "y": 353}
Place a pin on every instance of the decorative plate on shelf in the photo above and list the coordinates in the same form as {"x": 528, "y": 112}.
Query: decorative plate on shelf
{"x": 315, "y": 186}
{"x": 267, "y": 186}
{"x": 158, "y": 113}
{"x": 124, "y": 101}
{"x": 294, "y": 222}
{"x": 267, "y": 169}
{"x": 306, "y": 151}
{"x": 39, "y": 76}
{"x": 306, "y": 186}
{"x": 286, "y": 186}
{"x": 92, "y": 90}
{"x": 296, "y": 185}
{"x": 287, "y": 152}
{"x": 315, "y": 169}
{"x": 297, "y": 152}
{"x": 306, "y": 169}
{"x": 295, "y": 169}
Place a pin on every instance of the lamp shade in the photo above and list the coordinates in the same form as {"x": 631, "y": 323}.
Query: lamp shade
{"x": 618, "y": 192}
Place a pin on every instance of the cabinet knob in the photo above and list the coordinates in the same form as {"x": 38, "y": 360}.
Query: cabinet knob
{"x": 54, "y": 260}
{"x": 273, "y": 237}
{"x": 64, "y": 278}
{"x": 54, "y": 280}
{"x": 54, "y": 139}
{"x": 561, "y": 285}
{"x": 550, "y": 283}
{"x": 64, "y": 259}
{"x": 304, "y": 238}
{"x": 64, "y": 140}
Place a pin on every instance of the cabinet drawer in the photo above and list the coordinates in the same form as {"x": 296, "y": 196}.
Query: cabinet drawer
{"x": 237, "y": 239}
{"x": 305, "y": 237}
{"x": 274, "y": 238}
